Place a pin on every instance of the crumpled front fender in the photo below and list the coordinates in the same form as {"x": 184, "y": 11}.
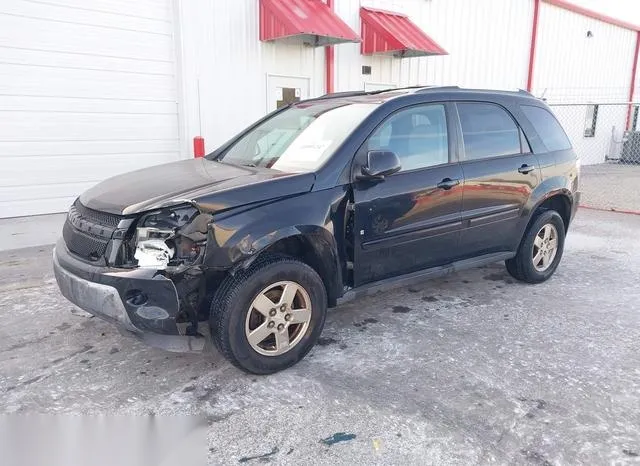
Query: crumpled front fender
{"x": 237, "y": 238}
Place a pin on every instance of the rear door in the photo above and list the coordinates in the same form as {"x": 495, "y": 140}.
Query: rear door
{"x": 500, "y": 172}
{"x": 410, "y": 220}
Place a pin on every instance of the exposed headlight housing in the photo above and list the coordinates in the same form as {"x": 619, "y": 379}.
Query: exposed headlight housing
{"x": 166, "y": 237}
{"x": 153, "y": 253}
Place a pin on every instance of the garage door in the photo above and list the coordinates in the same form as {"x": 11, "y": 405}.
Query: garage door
{"x": 87, "y": 91}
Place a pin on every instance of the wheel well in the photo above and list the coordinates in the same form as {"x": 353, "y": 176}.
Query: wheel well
{"x": 303, "y": 249}
{"x": 561, "y": 204}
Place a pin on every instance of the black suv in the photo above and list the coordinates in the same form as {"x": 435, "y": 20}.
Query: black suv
{"x": 318, "y": 202}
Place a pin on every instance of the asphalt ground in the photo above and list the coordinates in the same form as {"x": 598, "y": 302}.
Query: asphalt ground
{"x": 611, "y": 186}
{"x": 473, "y": 368}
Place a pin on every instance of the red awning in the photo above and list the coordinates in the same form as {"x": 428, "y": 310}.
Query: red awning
{"x": 310, "y": 20}
{"x": 394, "y": 33}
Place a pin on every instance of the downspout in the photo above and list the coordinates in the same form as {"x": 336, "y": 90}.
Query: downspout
{"x": 329, "y": 60}
{"x": 634, "y": 69}
{"x": 532, "y": 49}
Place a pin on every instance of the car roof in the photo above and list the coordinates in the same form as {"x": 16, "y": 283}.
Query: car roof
{"x": 443, "y": 92}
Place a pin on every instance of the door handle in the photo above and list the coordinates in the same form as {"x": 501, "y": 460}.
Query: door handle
{"x": 524, "y": 169}
{"x": 448, "y": 183}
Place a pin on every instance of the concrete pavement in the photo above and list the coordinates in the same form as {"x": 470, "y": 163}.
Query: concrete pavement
{"x": 473, "y": 368}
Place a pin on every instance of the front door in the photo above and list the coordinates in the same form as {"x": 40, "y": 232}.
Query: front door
{"x": 500, "y": 172}
{"x": 285, "y": 90}
{"x": 410, "y": 220}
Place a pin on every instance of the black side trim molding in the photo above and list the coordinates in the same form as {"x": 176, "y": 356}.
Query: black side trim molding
{"x": 413, "y": 235}
{"x": 422, "y": 275}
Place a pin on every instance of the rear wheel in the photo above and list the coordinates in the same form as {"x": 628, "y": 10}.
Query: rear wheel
{"x": 268, "y": 317}
{"x": 540, "y": 250}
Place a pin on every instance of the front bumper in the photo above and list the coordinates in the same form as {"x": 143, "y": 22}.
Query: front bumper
{"x": 140, "y": 302}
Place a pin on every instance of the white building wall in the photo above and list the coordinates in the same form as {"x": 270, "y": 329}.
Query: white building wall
{"x": 636, "y": 94}
{"x": 87, "y": 91}
{"x": 225, "y": 67}
{"x": 487, "y": 41}
{"x": 571, "y": 67}
{"x": 91, "y": 88}
{"x": 636, "y": 90}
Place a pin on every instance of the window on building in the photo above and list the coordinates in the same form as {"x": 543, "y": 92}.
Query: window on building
{"x": 547, "y": 127}
{"x": 488, "y": 131}
{"x": 418, "y": 136}
{"x": 590, "y": 121}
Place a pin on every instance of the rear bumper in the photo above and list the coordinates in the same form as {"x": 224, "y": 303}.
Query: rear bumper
{"x": 140, "y": 302}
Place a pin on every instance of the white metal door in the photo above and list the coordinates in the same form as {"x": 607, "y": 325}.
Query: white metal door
{"x": 283, "y": 90}
{"x": 87, "y": 91}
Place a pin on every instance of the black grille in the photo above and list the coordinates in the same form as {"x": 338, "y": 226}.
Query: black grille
{"x": 87, "y": 232}
{"x": 83, "y": 244}
{"x": 93, "y": 216}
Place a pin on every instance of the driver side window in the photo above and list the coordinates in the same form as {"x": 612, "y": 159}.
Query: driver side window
{"x": 417, "y": 135}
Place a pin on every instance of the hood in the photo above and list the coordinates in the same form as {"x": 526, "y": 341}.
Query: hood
{"x": 212, "y": 185}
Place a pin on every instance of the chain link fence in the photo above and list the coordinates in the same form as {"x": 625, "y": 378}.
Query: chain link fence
{"x": 606, "y": 137}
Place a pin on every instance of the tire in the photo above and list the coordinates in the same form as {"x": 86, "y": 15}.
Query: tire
{"x": 512, "y": 268}
{"x": 234, "y": 309}
{"x": 522, "y": 266}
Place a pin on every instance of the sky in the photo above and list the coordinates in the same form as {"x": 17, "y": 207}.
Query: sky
{"x": 626, "y": 10}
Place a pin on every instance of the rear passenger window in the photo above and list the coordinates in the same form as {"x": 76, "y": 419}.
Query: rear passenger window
{"x": 487, "y": 131}
{"x": 547, "y": 127}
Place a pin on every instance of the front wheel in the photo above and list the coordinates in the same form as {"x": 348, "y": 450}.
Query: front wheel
{"x": 540, "y": 250}
{"x": 266, "y": 318}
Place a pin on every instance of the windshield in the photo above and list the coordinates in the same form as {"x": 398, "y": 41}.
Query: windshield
{"x": 300, "y": 138}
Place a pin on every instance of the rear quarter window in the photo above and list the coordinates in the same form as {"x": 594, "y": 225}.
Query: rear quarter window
{"x": 550, "y": 131}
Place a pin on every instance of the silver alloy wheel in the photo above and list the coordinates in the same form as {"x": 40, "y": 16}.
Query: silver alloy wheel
{"x": 545, "y": 247}
{"x": 278, "y": 318}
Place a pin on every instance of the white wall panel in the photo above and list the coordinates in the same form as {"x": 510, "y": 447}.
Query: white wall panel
{"x": 87, "y": 91}
{"x": 487, "y": 41}
{"x": 571, "y": 67}
{"x": 143, "y": 9}
{"x": 226, "y": 66}
{"x": 636, "y": 91}
{"x": 74, "y": 14}
{"x": 83, "y": 39}
{"x": 90, "y": 88}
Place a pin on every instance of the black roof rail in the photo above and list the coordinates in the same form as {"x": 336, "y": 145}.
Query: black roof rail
{"x": 358, "y": 93}
{"x": 418, "y": 89}
{"x": 336, "y": 95}
{"x": 340, "y": 94}
{"x": 438, "y": 88}
{"x": 524, "y": 91}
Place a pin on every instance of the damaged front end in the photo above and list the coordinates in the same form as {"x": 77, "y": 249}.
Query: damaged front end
{"x": 171, "y": 237}
{"x": 172, "y": 242}
{"x": 143, "y": 272}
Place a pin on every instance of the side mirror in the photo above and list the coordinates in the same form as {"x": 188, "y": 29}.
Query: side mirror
{"x": 380, "y": 163}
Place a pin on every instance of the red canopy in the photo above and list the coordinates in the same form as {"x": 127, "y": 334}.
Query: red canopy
{"x": 310, "y": 20}
{"x": 394, "y": 33}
